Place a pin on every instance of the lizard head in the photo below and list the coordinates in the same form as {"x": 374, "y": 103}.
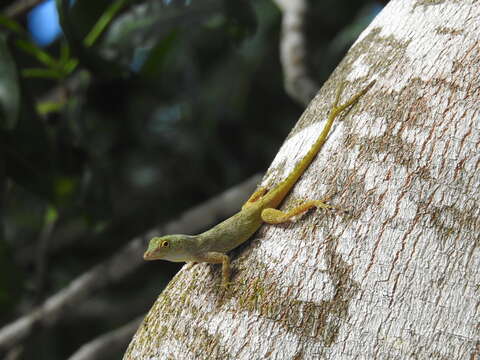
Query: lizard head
{"x": 169, "y": 247}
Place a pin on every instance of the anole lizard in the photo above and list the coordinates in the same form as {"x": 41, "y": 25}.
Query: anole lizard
{"x": 212, "y": 245}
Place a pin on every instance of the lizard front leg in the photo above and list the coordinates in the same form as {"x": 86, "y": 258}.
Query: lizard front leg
{"x": 213, "y": 257}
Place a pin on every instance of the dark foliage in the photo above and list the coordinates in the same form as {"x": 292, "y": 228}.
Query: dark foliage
{"x": 110, "y": 131}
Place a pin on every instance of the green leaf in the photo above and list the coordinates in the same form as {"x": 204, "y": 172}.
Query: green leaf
{"x": 12, "y": 25}
{"x": 64, "y": 187}
{"x": 51, "y": 215}
{"x": 42, "y": 73}
{"x": 64, "y": 53}
{"x": 9, "y": 88}
{"x": 47, "y": 107}
{"x": 87, "y": 57}
{"x": 39, "y": 54}
{"x": 103, "y": 22}
{"x": 66, "y": 63}
{"x": 55, "y": 69}
{"x": 155, "y": 62}
{"x": 70, "y": 66}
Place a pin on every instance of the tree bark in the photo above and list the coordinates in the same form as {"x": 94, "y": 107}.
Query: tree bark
{"x": 398, "y": 276}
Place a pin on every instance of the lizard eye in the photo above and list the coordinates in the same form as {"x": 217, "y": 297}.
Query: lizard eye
{"x": 165, "y": 244}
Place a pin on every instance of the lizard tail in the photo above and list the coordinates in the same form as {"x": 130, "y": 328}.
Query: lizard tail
{"x": 274, "y": 197}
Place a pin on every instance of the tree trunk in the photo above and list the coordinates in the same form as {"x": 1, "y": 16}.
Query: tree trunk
{"x": 398, "y": 275}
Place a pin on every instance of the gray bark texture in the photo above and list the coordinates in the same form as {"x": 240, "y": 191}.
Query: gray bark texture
{"x": 398, "y": 275}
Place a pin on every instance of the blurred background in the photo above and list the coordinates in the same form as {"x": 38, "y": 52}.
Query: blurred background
{"x": 118, "y": 115}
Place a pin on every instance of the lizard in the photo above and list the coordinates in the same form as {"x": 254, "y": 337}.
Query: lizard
{"x": 213, "y": 245}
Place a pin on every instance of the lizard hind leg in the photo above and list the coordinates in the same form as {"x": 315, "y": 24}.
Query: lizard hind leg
{"x": 257, "y": 195}
{"x": 275, "y": 216}
{"x": 337, "y": 109}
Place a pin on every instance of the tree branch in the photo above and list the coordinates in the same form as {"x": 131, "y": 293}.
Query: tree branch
{"x": 15, "y": 353}
{"x": 20, "y": 7}
{"x": 298, "y": 84}
{"x": 123, "y": 263}
{"x": 107, "y": 344}
{"x": 41, "y": 261}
